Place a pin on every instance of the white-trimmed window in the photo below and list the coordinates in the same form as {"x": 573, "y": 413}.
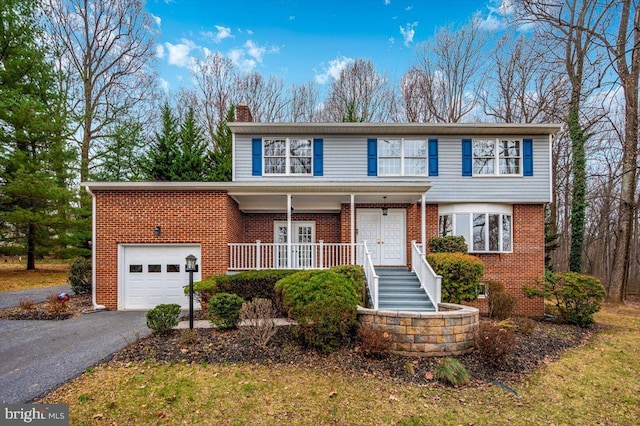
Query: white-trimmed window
{"x": 486, "y": 228}
{"x": 497, "y": 157}
{"x": 287, "y": 156}
{"x": 402, "y": 157}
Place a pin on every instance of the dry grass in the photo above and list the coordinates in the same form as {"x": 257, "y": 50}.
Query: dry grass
{"x": 14, "y": 276}
{"x": 593, "y": 384}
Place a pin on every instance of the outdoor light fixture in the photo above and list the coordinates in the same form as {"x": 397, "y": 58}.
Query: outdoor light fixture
{"x": 156, "y": 230}
{"x": 385, "y": 209}
{"x": 190, "y": 267}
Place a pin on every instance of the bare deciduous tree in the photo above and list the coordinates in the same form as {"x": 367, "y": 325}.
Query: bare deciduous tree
{"x": 303, "y": 103}
{"x": 265, "y": 98}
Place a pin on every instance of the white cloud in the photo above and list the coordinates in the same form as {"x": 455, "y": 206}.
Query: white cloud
{"x": 179, "y": 53}
{"x": 157, "y": 20}
{"x": 499, "y": 13}
{"x": 292, "y": 17}
{"x": 250, "y": 32}
{"x": 220, "y": 34}
{"x": 238, "y": 58}
{"x": 408, "y": 8}
{"x": 160, "y": 51}
{"x": 333, "y": 71}
{"x": 247, "y": 57}
{"x": 408, "y": 31}
{"x": 164, "y": 84}
{"x": 491, "y": 23}
{"x": 392, "y": 40}
{"x": 387, "y": 2}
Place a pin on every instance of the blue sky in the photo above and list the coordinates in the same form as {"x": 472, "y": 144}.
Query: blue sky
{"x": 302, "y": 40}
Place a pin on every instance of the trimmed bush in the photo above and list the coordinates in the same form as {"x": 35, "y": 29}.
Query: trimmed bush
{"x": 577, "y": 297}
{"x": 224, "y": 310}
{"x": 448, "y": 244}
{"x": 375, "y": 341}
{"x": 80, "y": 276}
{"x": 163, "y": 318}
{"x": 461, "y": 275}
{"x": 501, "y": 303}
{"x": 323, "y": 303}
{"x": 451, "y": 372}
{"x": 494, "y": 341}
{"x": 355, "y": 274}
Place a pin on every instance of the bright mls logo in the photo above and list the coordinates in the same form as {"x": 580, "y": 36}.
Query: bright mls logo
{"x": 35, "y": 414}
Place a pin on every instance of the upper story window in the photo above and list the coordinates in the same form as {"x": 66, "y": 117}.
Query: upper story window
{"x": 485, "y": 228}
{"x": 497, "y": 157}
{"x": 402, "y": 157}
{"x": 287, "y": 156}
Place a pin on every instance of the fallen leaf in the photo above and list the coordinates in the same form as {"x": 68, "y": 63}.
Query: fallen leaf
{"x": 428, "y": 375}
{"x": 333, "y": 394}
{"x": 98, "y": 416}
{"x": 393, "y": 398}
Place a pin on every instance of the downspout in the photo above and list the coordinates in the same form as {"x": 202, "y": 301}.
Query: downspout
{"x": 93, "y": 252}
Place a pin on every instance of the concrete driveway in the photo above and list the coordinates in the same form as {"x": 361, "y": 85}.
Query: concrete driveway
{"x": 38, "y": 356}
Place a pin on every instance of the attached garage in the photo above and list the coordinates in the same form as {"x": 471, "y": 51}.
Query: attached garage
{"x": 151, "y": 274}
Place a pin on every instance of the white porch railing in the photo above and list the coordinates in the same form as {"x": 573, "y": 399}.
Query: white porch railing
{"x": 429, "y": 281}
{"x": 258, "y": 255}
{"x": 370, "y": 274}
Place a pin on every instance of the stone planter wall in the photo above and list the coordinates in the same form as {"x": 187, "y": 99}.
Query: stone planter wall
{"x": 450, "y": 331}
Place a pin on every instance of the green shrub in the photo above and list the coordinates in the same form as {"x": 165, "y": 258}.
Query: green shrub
{"x": 461, "y": 274}
{"x": 80, "y": 276}
{"x": 203, "y": 290}
{"x": 163, "y": 318}
{"x": 577, "y": 297}
{"x": 494, "y": 341}
{"x": 252, "y": 284}
{"x": 501, "y": 303}
{"x": 224, "y": 310}
{"x": 448, "y": 244}
{"x": 450, "y": 371}
{"x": 323, "y": 303}
{"x": 355, "y": 274}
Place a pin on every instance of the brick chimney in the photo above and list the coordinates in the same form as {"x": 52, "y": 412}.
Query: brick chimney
{"x": 243, "y": 115}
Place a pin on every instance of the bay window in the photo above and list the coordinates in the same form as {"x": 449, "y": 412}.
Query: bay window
{"x": 484, "y": 230}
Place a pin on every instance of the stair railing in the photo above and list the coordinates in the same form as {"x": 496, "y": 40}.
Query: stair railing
{"x": 430, "y": 282}
{"x": 371, "y": 276}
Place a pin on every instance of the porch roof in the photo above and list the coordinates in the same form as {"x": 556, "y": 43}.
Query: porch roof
{"x": 308, "y": 196}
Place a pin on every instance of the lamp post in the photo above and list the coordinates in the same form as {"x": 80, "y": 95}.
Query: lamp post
{"x": 191, "y": 267}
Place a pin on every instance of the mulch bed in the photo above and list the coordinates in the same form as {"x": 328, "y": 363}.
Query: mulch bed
{"x": 75, "y": 307}
{"x": 544, "y": 344}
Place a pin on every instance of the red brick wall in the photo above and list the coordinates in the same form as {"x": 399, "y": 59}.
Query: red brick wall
{"x": 235, "y": 222}
{"x": 520, "y": 268}
{"x": 259, "y": 226}
{"x": 199, "y": 217}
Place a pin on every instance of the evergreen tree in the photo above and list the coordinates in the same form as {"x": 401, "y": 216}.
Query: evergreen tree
{"x": 220, "y": 157}
{"x": 122, "y": 155}
{"x": 34, "y": 199}
{"x": 159, "y": 164}
{"x": 190, "y": 164}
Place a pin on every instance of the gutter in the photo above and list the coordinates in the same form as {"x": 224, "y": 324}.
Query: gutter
{"x": 93, "y": 252}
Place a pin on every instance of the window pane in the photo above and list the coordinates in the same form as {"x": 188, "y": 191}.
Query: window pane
{"x": 173, "y": 268}
{"x": 154, "y": 268}
{"x": 415, "y": 149}
{"x": 389, "y": 166}
{"x": 275, "y": 147}
{"x": 415, "y": 166}
{"x": 509, "y": 166}
{"x": 301, "y": 165}
{"x": 300, "y": 148}
{"x": 506, "y": 232}
{"x": 445, "y": 225}
{"x": 135, "y": 268}
{"x": 483, "y": 166}
{"x": 494, "y": 232}
{"x": 462, "y": 226}
{"x": 479, "y": 232}
{"x": 509, "y": 148}
{"x": 274, "y": 165}
{"x": 483, "y": 148}
{"x": 388, "y": 148}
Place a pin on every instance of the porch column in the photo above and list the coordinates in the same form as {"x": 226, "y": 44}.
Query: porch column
{"x": 289, "y": 231}
{"x": 423, "y": 225}
{"x": 353, "y": 228}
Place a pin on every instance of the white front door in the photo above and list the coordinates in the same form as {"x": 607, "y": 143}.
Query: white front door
{"x": 385, "y": 235}
{"x": 302, "y": 238}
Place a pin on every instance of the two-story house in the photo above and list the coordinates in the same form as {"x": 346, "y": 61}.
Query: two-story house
{"x": 315, "y": 195}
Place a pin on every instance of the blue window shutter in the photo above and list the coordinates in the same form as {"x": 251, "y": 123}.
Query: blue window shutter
{"x": 372, "y": 157}
{"x": 527, "y": 157}
{"x": 256, "y": 157}
{"x": 433, "y": 157}
{"x": 467, "y": 158}
{"x": 318, "y": 169}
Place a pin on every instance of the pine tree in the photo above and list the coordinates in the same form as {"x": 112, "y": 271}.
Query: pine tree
{"x": 34, "y": 196}
{"x": 190, "y": 164}
{"x": 220, "y": 157}
{"x": 159, "y": 164}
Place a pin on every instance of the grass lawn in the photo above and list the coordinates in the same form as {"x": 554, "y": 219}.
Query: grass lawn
{"x": 591, "y": 385}
{"x": 14, "y": 276}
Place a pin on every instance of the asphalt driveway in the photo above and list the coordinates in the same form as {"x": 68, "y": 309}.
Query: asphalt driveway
{"x": 9, "y": 299}
{"x": 38, "y": 356}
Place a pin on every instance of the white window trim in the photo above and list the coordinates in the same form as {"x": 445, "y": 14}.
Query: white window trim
{"x": 496, "y": 158}
{"x": 481, "y": 208}
{"x": 402, "y": 157}
{"x": 287, "y": 158}
{"x": 279, "y": 223}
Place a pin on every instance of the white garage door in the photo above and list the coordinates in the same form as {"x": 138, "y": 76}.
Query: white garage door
{"x": 154, "y": 274}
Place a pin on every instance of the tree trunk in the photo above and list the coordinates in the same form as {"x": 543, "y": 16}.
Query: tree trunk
{"x": 579, "y": 190}
{"x": 31, "y": 247}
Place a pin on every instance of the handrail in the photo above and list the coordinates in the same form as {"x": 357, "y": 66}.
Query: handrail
{"x": 258, "y": 255}
{"x": 371, "y": 276}
{"x": 429, "y": 280}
